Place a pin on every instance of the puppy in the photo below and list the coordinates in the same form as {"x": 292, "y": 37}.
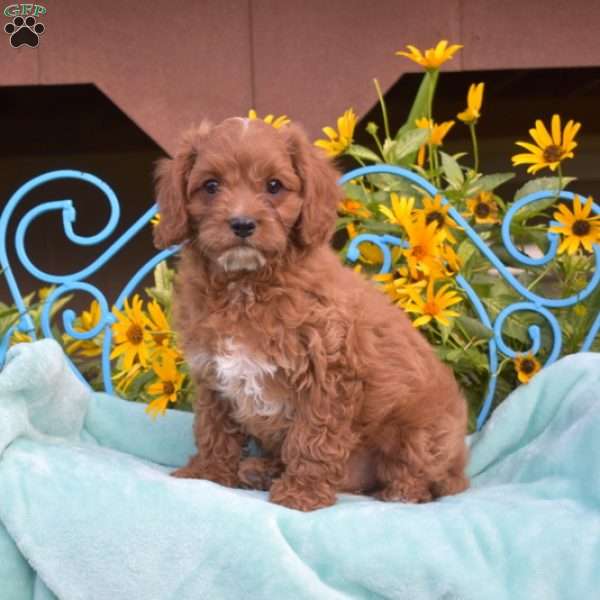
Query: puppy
{"x": 287, "y": 345}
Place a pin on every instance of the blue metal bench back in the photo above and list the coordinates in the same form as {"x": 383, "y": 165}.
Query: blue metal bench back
{"x": 77, "y": 281}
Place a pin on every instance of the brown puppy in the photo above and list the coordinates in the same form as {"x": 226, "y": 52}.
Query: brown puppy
{"x": 289, "y": 346}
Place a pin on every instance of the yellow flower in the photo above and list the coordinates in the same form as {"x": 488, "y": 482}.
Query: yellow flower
{"x": 548, "y": 150}
{"x": 87, "y": 321}
{"x": 339, "y": 140}
{"x": 424, "y": 249}
{"x": 577, "y": 227}
{"x": 18, "y": 337}
{"x": 432, "y": 58}
{"x": 401, "y": 211}
{"x": 125, "y": 378}
{"x": 526, "y": 366}
{"x": 437, "y": 133}
{"x": 451, "y": 260}
{"x": 483, "y": 208}
{"x": 166, "y": 388}
{"x": 158, "y": 324}
{"x": 370, "y": 253}
{"x": 132, "y": 337}
{"x": 434, "y": 306}
{"x": 354, "y": 207}
{"x": 474, "y": 99}
{"x": 398, "y": 285}
{"x": 44, "y": 292}
{"x": 277, "y": 122}
{"x": 434, "y": 212}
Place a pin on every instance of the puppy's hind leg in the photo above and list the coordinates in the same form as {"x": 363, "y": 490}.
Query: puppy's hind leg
{"x": 402, "y": 466}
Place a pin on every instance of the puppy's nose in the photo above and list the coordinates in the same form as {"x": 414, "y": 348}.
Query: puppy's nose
{"x": 242, "y": 226}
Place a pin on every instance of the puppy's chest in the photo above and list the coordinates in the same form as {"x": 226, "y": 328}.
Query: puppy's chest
{"x": 249, "y": 382}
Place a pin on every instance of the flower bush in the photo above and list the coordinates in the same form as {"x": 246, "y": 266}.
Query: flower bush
{"x": 149, "y": 367}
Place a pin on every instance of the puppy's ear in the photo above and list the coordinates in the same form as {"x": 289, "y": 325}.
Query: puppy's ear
{"x": 320, "y": 190}
{"x": 171, "y": 177}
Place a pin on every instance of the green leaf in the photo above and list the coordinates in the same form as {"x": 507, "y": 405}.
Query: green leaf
{"x": 452, "y": 171}
{"x": 420, "y": 104}
{"x": 533, "y": 209}
{"x": 355, "y": 192}
{"x": 389, "y": 147}
{"x": 488, "y": 183}
{"x": 409, "y": 142}
{"x": 391, "y": 183}
{"x": 542, "y": 184}
{"x": 363, "y": 153}
{"x": 474, "y": 328}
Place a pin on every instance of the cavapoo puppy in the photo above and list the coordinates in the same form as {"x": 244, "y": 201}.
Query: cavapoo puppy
{"x": 287, "y": 345}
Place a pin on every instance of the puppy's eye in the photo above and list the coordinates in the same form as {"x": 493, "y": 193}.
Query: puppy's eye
{"x": 211, "y": 186}
{"x": 274, "y": 186}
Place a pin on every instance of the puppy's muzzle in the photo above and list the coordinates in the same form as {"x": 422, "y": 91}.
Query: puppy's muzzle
{"x": 242, "y": 226}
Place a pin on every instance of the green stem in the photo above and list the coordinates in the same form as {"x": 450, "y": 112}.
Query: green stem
{"x": 539, "y": 277}
{"x": 436, "y": 165}
{"x": 475, "y": 148}
{"x": 383, "y": 109}
{"x": 358, "y": 160}
{"x": 560, "y": 176}
{"x": 379, "y": 146}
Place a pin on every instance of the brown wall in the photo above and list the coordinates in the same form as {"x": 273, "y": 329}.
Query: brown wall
{"x": 168, "y": 63}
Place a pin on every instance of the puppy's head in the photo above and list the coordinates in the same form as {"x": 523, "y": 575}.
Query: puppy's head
{"x": 244, "y": 193}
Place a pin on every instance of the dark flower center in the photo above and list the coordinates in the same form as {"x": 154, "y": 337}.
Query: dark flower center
{"x": 482, "y": 210}
{"x": 135, "y": 334}
{"x": 168, "y": 388}
{"x": 527, "y": 366}
{"x": 581, "y": 228}
{"x": 436, "y": 216}
{"x": 159, "y": 338}
{"x": 553, "y": 153}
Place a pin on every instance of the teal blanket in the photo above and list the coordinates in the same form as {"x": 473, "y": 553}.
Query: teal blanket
{"x": 88, "y": 511}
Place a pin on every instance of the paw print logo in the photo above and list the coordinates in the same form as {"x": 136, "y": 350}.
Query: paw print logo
{"x": 24, "y": 32}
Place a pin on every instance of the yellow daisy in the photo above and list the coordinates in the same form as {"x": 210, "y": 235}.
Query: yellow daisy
{"x": 132, "y": 338}
{"x": 435, "y": 306}
{"x": 474, "y": 99}
{"x": 401, "y": 211}
{"x": 435, "y": 212}
{"x": 398, "y": 285}
{"x": 526, "y": 366}
{"x": 577, "y": 227}
{"x": 277, "y": 122}
{"x": 18, "y": 337}
{"x": 87, "y": 320}
{"x": 166, "y": 388}
{"x": 437, "y": 133}
{"x": 483, "y": 208}
{"x": 425, "y": 241}
{"x": 158, "y": 324}
{"x": 339, "y": 140}
{"x": 548, "y": 150}
{"x": 125, "y": 378}
{"x": 432, "y": 58}
{"x": 451, "y": 261}
{"x": 354, "y": 207}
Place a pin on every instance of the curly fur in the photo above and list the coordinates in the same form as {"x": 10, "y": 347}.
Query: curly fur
{"x": 290, "y": 347}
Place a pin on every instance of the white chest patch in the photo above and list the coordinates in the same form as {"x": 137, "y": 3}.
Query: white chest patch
{"x": 240, "y": 378}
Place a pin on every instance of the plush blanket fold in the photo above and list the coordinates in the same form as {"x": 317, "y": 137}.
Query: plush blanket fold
{"x": 88, "y": 511}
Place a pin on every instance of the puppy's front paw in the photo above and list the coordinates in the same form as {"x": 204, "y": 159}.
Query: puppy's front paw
{"x": 215, "y": 472}
{"x": 287, "y": 492}
{"x": 258, "y": 473}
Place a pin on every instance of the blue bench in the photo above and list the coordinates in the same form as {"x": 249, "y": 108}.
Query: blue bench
{"x": 77, "y": 282}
